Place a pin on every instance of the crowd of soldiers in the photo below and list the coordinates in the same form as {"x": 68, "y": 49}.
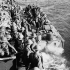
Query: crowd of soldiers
{"x": 33, "y": 32}
{"x": 25, "y": 32}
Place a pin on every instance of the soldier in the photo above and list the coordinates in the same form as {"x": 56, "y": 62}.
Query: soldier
{"x": 35, "y": 60}
{"x": 5, "y": 47}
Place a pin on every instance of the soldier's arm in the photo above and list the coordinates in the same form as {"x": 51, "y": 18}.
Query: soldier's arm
{"x": 12, "y": 47}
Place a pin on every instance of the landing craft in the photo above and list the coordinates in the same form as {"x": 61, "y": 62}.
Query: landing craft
{"x": 18, "y": 35}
